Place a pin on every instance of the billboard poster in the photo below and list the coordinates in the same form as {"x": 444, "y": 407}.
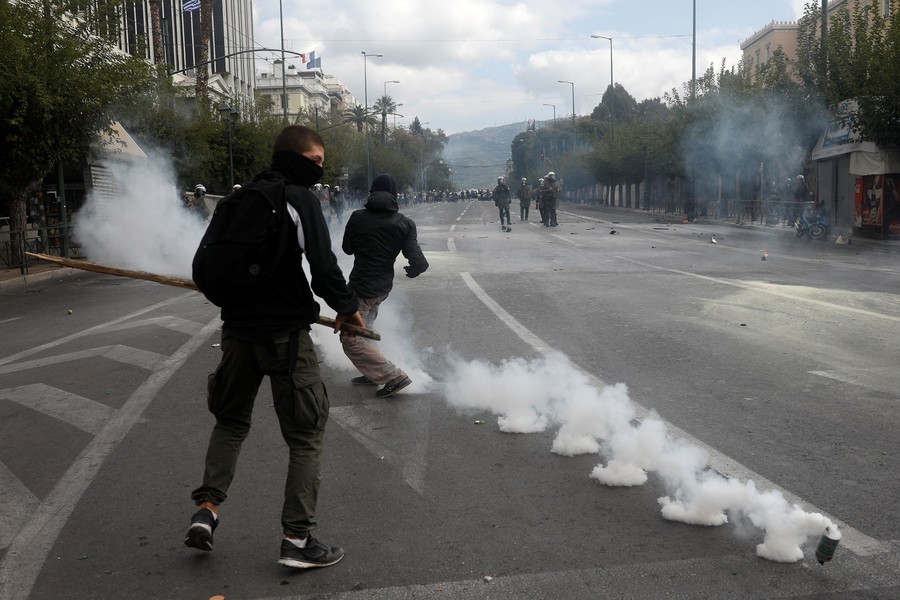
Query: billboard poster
{"x": 891, "y": 204}
{"x": 872, "y": 200}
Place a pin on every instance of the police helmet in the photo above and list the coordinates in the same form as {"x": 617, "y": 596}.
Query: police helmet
{"x": 199, "y": 189}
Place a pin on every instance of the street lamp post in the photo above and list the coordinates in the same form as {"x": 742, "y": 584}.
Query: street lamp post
{"x": 440, "y": 163}
{"x": 573, "y": 110}
{"x": 366, "y": 123}
{"x": 385, "y": 95}
{"x": 231, "y": 115}
{"x": 554, "y": 111}
{"x": 422, "y": 156}
{"x": 612, "y": 132}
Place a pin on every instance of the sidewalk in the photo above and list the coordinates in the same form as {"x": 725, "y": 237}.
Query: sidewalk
{"x": 673, "y": 218}
{"x": 10, "y": 278}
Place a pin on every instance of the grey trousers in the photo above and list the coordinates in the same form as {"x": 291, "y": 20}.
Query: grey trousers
{"x": 301, "y": 404}
{"x": 363, "y": 354}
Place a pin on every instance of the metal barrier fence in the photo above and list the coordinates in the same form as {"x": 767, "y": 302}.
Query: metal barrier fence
{"x": 14, "y": 245}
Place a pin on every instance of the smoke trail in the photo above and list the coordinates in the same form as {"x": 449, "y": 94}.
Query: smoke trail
{"x": 531, "y": 396}
{"x": 145, "y": 227}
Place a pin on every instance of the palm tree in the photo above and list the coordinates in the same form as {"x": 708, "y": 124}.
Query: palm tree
{"x": 386, "y": 106}
{"x": 202, "y": 84}
{"x": 357, "y": 114}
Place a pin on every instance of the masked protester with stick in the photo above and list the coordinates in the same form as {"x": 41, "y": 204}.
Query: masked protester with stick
{"x": 268, "y": 334}
{"x": 375, "y": 235}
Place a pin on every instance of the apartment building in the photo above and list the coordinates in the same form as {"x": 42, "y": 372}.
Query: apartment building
{"x": 231, "y": 75}
{"x": 301, "y": 91}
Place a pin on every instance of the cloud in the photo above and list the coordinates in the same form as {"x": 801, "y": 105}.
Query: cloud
{"x": 474, "y": 63}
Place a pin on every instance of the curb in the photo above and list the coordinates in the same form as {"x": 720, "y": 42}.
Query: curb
{"x": 23, "y": 280}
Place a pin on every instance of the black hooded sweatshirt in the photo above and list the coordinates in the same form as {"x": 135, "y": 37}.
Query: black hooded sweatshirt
{"x": 287, "y": 304}
{"x": 375, "y": 235}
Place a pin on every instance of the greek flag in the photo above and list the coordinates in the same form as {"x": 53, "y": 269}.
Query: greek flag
{"x": 191, "y": 5}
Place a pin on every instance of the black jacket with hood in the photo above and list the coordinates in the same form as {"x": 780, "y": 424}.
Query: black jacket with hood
{"x": 375, "y": 235}
{"x": 287, "y": 303}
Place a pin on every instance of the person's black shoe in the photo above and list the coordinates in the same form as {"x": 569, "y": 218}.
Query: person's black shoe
{"x": 393, "y": 387}
{"x": 315, "y": 554}
{"x": 362, "y": 380}
{"x": 200, "y": 534}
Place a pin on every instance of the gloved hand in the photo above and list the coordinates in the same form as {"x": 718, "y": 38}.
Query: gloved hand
{"x": 410, "y": 273}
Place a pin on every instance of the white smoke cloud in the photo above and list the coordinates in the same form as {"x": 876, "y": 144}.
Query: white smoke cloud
{"x": 145, "y": 227}
{"x": 532, "y": 396}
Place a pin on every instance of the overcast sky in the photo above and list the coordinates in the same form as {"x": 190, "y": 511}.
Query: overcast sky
{"x": 470, "y": 64}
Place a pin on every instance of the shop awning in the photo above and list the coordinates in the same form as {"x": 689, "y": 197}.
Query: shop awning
{"x": 120, "y": 145}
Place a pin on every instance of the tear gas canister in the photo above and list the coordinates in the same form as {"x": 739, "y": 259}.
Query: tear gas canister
{"x": 827, "y": 545}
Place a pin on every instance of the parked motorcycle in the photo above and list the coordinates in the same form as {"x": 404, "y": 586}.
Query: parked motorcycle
{"x": 814, "y": 223}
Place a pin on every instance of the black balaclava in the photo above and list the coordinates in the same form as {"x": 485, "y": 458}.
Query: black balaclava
{"x": 298, "y": 168}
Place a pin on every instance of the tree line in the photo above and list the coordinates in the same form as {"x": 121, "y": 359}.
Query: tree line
{"x": 735, "y": 129}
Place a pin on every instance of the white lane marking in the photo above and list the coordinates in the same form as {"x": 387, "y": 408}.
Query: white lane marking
{"x": 94, "y": 329}
{"x": 168, "y": 321}
{"x": 451, "y": 244}
{"x": 78, "y": 411}
{"x": 452, "y": 228}
{"x": 363, "y": 423}
{"x": 124, "y": 354}
{"x": 853, "y": 539}
{"x": 768, "y": 289}
{"x": 28, "y": 551}
{"x": 16, "y": 504}
{"x": 8, "y": 320}
{"x": 836, "y": 376}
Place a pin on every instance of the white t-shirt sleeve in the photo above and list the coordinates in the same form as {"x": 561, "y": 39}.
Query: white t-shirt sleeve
{"x": 295, "y": 216}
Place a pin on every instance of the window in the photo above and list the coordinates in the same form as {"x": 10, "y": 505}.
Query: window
{"x": 768, "y": 52}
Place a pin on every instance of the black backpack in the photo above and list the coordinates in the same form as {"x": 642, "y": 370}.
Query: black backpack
{"x": 243, "y": 243}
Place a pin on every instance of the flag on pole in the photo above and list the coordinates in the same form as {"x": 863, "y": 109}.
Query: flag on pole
{"x": 190, "y": 5}
{"x": 314, "y": 63}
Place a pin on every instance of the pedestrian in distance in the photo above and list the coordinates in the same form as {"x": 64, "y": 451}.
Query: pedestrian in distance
{"x": 502, "y": 197}
{"x": 541, "y": 194}
{"x": 524, "y": 195}
{"x": 266, "y": 332}
{"x": 551, "y": 198}
{"x": 338, "y": 203}
{"x": 375, "y": 235}
{"x": 197, "y": 203}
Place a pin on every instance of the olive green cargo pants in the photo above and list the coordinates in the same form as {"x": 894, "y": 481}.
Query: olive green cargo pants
{"x": 301, "y": 404}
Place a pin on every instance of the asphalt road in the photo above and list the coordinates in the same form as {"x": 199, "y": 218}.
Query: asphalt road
{"x": 784, "y": 371}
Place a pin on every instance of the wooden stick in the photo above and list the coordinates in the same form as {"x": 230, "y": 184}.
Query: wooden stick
{"x": 182, "y": 283}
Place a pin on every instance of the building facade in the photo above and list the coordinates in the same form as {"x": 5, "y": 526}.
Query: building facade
{"x": 758, "y": 48}
{"x": 850, "y": 176}
{"x": 231, "y": 75}
{"x": 310, "y": 92}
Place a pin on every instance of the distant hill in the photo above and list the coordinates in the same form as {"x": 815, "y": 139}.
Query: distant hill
{"x": 477, "y": 158}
